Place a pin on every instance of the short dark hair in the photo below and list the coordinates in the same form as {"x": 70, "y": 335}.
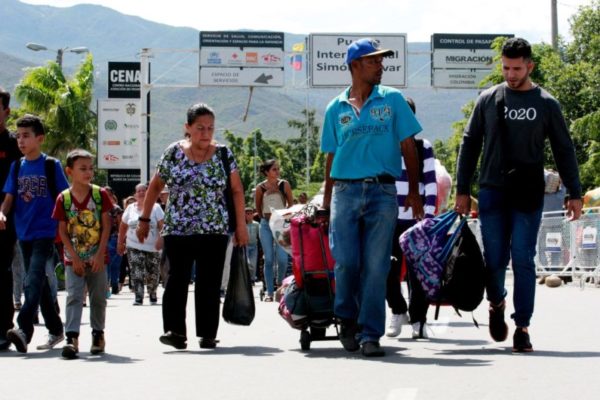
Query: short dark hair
{"x": 76, "y": 154}
{"x": 198, "y": 110}
{"x": 516, "y": 48}
{"x": 267, "y": 165}
{"x": 411, "y": 104}
{"x": 4, "y": 97}
{"x": 31, "y": 121}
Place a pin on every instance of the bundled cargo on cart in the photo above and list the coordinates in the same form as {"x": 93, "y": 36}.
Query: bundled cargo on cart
{"x": 307, "y": 303}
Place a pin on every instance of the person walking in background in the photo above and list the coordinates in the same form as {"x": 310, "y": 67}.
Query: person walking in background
{"x": 9, "y": 152}
{"x": 84, "y": 228}
{"x": 31, "y": 187}
{"x": 113, "y": 271}
{"x": 366, "y": 134}
{"x": 511, "y": 121}
{"x": 143, "y": 256}
{"x": 428, "y": 190}
{"x": 196, "y": 225}
{"x": 272, "y": 194}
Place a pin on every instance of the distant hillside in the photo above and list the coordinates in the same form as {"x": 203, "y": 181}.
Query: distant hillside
{"x": 112, "y": 36}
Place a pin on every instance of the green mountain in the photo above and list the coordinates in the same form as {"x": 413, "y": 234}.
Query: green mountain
{"x": 112, "y": 36}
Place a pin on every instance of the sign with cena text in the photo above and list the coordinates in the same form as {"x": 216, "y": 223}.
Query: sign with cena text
{"x": 123, "y": 80}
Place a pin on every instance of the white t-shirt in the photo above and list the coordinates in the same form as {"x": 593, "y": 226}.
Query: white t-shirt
{"x": 130, "y": 218}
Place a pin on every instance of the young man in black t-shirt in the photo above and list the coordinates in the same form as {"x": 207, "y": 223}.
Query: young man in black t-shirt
{"x": 511, "y": 122}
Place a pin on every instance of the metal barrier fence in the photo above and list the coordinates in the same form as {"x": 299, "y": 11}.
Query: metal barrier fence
{"x": 564, "y": 248}
{"x": 570, "y": 248}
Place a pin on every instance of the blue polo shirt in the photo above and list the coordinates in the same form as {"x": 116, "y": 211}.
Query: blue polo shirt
{"x": 368, "y": 144}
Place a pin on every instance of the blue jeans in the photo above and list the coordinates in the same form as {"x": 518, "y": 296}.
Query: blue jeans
{"x": 509, "y": 234}
{"x": 272, "y": 249}
{"x": 36, "y": 254}
{"x": 113, "y": 271}
{"x": 363, "y": 219}
{"x": 252, "y": 253}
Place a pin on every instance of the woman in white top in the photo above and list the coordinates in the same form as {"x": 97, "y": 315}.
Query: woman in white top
{"x": 144, "y": 258}
{"x": 272, "y": 193}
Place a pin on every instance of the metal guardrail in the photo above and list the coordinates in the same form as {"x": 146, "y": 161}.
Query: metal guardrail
{"x": 570, "y": 248}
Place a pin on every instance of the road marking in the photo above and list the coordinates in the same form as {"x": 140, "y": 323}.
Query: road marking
{"x": 402, "y": 394}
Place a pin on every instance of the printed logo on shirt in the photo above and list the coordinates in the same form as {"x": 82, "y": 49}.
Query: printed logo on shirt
{"x": 382, "y": 113}
{"x": 345, "y": 119}
{"x": 520, "y": 114}
{"x": 31, "y": 187}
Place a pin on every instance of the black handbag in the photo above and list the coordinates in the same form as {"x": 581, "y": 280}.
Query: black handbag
{"x": 523, "y": 181}
{"x": 239, "y": 307}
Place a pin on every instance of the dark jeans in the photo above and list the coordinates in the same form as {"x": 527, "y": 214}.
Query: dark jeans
{"x": 7, "y": 248}
{"x": 208, "y": 252}
{"x": 509, "y": 234}
{"x": 418, "y": 305}
{"x": 36, "y": 254}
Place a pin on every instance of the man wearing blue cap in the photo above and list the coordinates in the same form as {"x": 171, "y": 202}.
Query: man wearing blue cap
{"x": 367, "y": 130}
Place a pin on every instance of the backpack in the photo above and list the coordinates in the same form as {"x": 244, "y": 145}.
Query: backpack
{"x": 68, "y": 201}
{"x": 49, "y": 171}
{"x": 463, "y": 282}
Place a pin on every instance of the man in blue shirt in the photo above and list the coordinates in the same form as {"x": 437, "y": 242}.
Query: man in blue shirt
{"x": 367, "y": 130}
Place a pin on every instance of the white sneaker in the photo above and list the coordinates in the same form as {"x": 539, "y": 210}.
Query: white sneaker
{"x": 395, "y": 325}
{"x": 53, "y": 340}
{"x": 419, "y": 330}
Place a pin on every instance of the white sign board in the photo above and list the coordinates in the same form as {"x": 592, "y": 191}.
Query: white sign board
{"x": 458, "y": 78}
{"x": 236, "y": 58}
{"x": 461, "y": 60}
{"x": 119, "y": 122}
{"x": 327, "y": 53}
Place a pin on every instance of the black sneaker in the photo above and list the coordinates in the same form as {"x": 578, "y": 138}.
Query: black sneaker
{"x": 18, "y": 338}
{"x": 348, "y": 331}
{"x": 372, "y": 349}
{"x": 498, "y": 328}
{"x": 153, "y": 299}
{"x": 208, "y": 343}
{"x": 174, "y": 339}
{"x": 521, "y": 342}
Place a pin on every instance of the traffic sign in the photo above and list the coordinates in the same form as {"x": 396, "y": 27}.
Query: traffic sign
{"x": 230, "y": 58}
{"x": 328, "y": 58}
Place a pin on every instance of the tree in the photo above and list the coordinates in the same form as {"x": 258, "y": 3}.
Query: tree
{"x": 63, "y": 103}
{"x": 297, "y": 146}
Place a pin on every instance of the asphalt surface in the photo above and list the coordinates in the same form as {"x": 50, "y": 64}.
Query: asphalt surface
{"x": 264, "y": 360}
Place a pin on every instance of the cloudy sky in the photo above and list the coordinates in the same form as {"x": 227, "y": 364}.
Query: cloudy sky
{"x": 417, "y": 18}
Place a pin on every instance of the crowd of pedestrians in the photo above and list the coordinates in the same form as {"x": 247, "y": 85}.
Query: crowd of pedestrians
{"x": 380, "y": 180}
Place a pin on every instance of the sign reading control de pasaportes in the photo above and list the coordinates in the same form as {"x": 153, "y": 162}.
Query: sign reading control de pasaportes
{"x": 328, "y": 58}
{"x": 231, "y": 58}
{"x": 461, "y": 60}
{"x": 123, "y": 80}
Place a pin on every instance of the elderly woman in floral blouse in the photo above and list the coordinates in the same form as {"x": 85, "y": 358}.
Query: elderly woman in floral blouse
{"x": 196, "y": 225}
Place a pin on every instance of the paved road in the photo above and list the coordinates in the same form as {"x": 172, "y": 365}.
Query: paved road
{"x": 265, "y": 361}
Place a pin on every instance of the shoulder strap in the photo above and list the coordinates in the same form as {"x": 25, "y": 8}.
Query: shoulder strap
{"x": 17, "y": 168}
{"x": 281, "y": 187}
{"x": 97, "y": 196}
{"x": 66, "y": 200}
{"x": 225, "y": 162}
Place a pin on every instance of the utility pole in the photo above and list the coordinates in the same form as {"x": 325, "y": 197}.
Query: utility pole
{"x": 554, "y": 24}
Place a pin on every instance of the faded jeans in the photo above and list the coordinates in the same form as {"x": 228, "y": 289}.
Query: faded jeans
{"x": 271, "y": 250}
{"x": 96, "y": 284}
{"x": 363, "y": 219}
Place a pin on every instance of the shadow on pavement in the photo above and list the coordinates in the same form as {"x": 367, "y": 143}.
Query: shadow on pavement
{"x": 251, "y": 351}
{"x": 508, "y": 351}
{"x": 395, "y": 357}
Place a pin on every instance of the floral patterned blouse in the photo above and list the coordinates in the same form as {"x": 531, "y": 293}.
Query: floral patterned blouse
{"x": 196, "y": 192}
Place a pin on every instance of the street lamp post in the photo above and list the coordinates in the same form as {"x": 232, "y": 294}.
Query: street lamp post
{"x": 59, "y": 52}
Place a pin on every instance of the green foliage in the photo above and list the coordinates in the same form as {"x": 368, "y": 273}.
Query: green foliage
{"x": 64, "y": 105}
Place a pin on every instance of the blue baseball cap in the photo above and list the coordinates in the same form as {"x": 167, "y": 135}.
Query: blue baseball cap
{"x": 365, "y": 47}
